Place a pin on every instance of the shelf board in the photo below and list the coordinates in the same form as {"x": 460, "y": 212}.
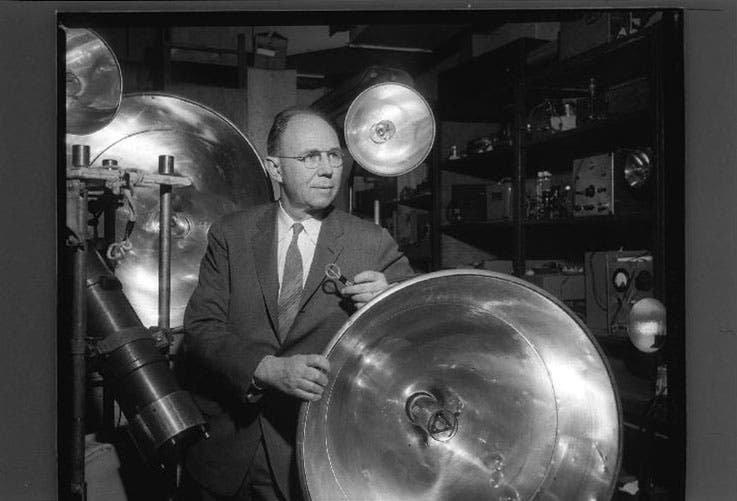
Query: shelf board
{"x": 590, "y": 137}
{"x": 570, "y": 238}
{"x": 494, "y": 164}
{"x": 609, "y": 220}
{"x": 568, "y": 221}
{"x": 617, "y": 61}
{"x": 605, "y": 134}
{"x": 494, "y": 236}
{"x": 480, "y": 89}
{"x": 421, "y": 201}
{"x": 476, "y": 226}
{"x": 557, "y": 238}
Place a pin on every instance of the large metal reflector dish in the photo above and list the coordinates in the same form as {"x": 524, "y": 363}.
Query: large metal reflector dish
{"x": 462, "y": 385}
{"x": 226, "y": 173}
{"x": 94, "y": 82}
{"x": 389, "y": 129}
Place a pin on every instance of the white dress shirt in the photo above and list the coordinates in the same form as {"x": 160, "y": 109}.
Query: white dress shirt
{"x": 306, "y": 241}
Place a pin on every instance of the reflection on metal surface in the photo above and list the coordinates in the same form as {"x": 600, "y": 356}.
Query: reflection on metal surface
{"x": 462, "y": 384}
{"x": 94, "y": 82}
{"x": 226, "y": 173}
{"x": 389, "y": 129}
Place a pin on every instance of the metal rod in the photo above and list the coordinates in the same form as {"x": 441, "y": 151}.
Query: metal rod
{"x": 377, "y": 212}
{"x": 78, "y": 345}
{"x": 166, "y": 166}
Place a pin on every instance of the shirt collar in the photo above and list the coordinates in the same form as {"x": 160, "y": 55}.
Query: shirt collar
{"x": 285, "y": 222}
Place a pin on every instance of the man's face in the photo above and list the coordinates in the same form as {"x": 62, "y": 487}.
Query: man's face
{"x": 306, "y": 191}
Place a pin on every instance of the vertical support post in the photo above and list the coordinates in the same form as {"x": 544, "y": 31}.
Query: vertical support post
{"x": 162, "y": 59}
{"x": 166, "y": 166}
{"x": 78, "y": 348}
{"x": 520, "y": 162}
{"x": 668, "y": 259}
{"x": 242, "y": 58}
{"x": 377, "y": 212}
{"x": 166, "y": 61}
{"x": 435, "y": 174}
{"x": 110, "y": 203}
{"x": 78, "y": 487}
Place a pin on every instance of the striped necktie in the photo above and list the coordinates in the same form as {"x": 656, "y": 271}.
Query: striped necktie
{"x": 291, "y": 284}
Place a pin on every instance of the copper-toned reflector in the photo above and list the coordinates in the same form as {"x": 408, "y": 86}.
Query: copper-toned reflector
{"x": 226, "y": 173}
{"x": 389, "y": 129}
{"x": 94, "y": 82}
{"x": 646, "y": 325}
{"x": 462, "y": 384}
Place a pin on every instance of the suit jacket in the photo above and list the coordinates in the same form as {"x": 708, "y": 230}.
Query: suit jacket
{"x": 231, "y": 324}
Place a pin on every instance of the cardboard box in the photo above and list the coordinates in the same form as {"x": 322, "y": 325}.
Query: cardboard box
{"x": 499, "y": 201}
{"x": 593, "y": 29}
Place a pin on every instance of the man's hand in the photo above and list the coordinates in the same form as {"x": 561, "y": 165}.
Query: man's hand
{"x": 303, "y": 376}
{"x": 366, "y": 285}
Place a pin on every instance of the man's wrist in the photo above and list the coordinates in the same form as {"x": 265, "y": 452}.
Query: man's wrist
{"x": 256, "y": 387}
{"x": 257, "y": 381}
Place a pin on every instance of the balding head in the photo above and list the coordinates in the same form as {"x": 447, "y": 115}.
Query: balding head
{"x": 281, "y": 121}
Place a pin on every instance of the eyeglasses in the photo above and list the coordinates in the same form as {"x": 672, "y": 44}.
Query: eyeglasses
{"x": 312, "y": 158}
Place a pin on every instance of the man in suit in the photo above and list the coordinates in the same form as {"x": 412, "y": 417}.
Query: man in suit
{"x": 263, "y": 312}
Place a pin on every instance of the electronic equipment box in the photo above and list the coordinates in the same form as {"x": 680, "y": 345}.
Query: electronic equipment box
{"x": 601, "y": 189}
{"x": 615, "y": 280}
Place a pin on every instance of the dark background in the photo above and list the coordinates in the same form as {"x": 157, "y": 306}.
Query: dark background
{"x": 29, "y": 177}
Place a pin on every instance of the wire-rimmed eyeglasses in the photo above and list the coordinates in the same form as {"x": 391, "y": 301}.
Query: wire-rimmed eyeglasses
{"x": 312, "y": 158}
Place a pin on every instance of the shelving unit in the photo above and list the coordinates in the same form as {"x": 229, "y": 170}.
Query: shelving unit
{"x": 501, "y": 87}
{"x": 623, "y": 131}
{"x": 554, "y": 151}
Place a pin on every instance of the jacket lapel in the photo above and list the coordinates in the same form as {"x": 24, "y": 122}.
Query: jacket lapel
{"x": 329, "y": 246}
{"x": 264, "y": 253}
